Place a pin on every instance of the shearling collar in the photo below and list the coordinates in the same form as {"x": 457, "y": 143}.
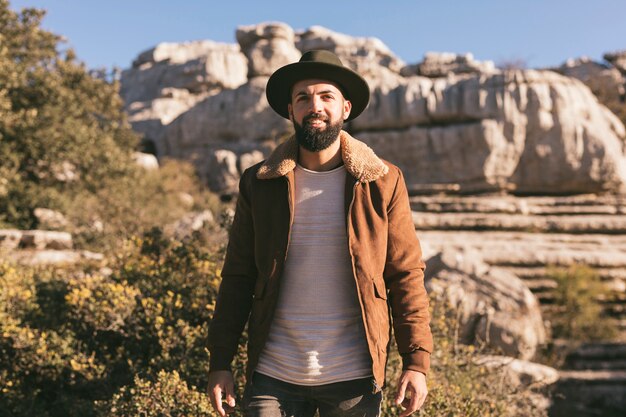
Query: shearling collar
{"x": 359, "y": 159}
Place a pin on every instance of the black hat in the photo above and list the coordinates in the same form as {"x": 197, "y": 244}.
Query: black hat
{"x": 322, "y": 65}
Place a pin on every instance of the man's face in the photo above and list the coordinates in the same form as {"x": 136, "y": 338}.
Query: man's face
{"x": 317, "y": 110}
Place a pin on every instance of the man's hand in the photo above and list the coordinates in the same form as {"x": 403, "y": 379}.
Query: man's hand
{"x": 222, "y": 388}
{"x": 413, "y": 383}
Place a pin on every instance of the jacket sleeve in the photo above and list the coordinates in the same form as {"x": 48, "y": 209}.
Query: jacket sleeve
{"x": 234, "y": 299}
{"x": 404, "y": 278}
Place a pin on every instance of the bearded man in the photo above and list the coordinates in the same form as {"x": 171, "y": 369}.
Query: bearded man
{"x": 322, "y": 249}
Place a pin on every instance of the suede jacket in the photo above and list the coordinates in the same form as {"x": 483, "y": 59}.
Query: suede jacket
{"x": 386, "y": 258}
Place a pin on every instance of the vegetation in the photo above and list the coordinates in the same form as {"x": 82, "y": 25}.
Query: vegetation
{"x": 127, "y": 336}
{"x": 577, "y": 315}
{"x": 65, "y": 145}
{"x": 579, "y": 293}
{"x": 82, "y": 342}
{"x": 73, "y": 337}
{"x": 457, "y": 385}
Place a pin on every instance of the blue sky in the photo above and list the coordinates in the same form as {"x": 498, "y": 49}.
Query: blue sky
{"x": 539, "y": 32}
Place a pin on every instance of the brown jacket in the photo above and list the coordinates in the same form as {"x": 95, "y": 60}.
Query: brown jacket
{"x": 386, "y": 258}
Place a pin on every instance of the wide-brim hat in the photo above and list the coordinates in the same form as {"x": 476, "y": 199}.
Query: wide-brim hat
{"x": 318, "y": 64}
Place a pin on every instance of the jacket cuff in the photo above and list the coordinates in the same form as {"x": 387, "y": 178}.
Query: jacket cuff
{"x": 220, "y": 360}
{"x": 418, "y": 360}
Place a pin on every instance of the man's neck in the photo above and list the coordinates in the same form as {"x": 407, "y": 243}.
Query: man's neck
{"x": 325, "y": 160}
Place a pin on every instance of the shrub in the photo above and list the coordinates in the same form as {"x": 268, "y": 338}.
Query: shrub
{"x": 132, "y": 341}
{"x": 70, "y": 338}
{"x": 62, "y": 131}
{"x": 129, "y": 205}
{"x": 457, "y": 385}
{"x": 581, "y": 317}
{"x": 168, "y": 396}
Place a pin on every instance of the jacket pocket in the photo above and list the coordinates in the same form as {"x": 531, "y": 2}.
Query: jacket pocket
{"x": 379, "y": 288}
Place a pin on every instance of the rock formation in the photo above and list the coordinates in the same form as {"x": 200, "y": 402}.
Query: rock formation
{"x": 493, "y": 306}
{"x": 450, "y": 122}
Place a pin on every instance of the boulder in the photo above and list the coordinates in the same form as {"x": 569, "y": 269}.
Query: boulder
{"x": 50, "y": 219}
{"x": 222, "y": 173}
{"x": 364, "y": 55}
{"x": 493, "y": 306}
{"x": 617, "y": 59}
{"x": 197, "y": 66}
{"x": 441, "y": 64}
{"x": 191, "y": 222}
{"x": 147, "y": 161}
{"x": 268, "y": 46}
{"x": 249, "y": 159}
{"x": 604, "y": 81}
{"x": 54, "y": 257}
{"x": 520, "y": 373}
{"x": 10, "y": 238}
{"x": 45, "y": 239}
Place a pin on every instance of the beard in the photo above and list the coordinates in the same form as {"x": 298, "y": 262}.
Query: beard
{"x": 313, "y": 139}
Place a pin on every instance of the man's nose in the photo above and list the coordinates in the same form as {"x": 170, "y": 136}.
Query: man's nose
{"x": 316, "y": 104}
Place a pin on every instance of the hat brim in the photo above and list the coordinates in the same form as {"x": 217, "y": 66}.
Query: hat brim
{"x": 353, "y": 86}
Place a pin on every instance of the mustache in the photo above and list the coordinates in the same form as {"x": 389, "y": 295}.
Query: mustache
{"x": 314, "y": 116}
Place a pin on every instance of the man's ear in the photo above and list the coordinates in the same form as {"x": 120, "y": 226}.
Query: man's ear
{"x": 290, "y": 111}
{"x": 347, "y": 108}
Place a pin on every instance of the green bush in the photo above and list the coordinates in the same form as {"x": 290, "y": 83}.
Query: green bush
{"x": 127, "y": 206}
{"x": 457, "y": 385}
{"x": 580, "y": 317}
{"x": 62, "y": 131}
{"x": 86, "y": 343}
{"x": 71, "y": 338}
{"x": 169, "y": 396}
{"x": 65, "y": 145}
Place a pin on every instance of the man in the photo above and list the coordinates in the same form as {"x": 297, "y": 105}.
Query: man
{"x": 322, "y": 245}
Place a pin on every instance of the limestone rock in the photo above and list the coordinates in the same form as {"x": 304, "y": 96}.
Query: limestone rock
{"x": 363, "y": 55}
{"x": 45, "y": 239}
{"x": 190, "y": 223}
{"x": 53, "y": 257}
{"x": 233, "y": 116}
{"x": 150, "y": 117}
{"x": 186, "y": 200}
{"x": 50, "y": 219}
{"x": 466, "y": 128}
{"x": 617, "y": 59}
{"x": 493, "y": 306}
{"x": 10, "y": 238}
{"x": 589, "y": 393}
{"x": 603, "y": 81}
{"x": 520, "y": 373}
{"x": 440, "y": 64}
{"x": 222, "y": 172}
{"x": 248, "y": 159}
{"x": 268, "y": 46}
{"x": 197, "y": 67}
{"x": 523, "y": 131}
{"x": 146, "y": 161}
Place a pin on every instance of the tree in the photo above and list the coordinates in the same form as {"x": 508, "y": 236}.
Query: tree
{"x": 62, "y": 131}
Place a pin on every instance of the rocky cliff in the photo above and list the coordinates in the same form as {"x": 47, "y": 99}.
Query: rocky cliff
{"x": 450, "y": 122}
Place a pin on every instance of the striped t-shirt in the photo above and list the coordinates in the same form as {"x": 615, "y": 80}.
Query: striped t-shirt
{"x": 317, "y": 335}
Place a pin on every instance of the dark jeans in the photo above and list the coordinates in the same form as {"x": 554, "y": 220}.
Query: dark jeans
{"x": 269, "y": 397}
